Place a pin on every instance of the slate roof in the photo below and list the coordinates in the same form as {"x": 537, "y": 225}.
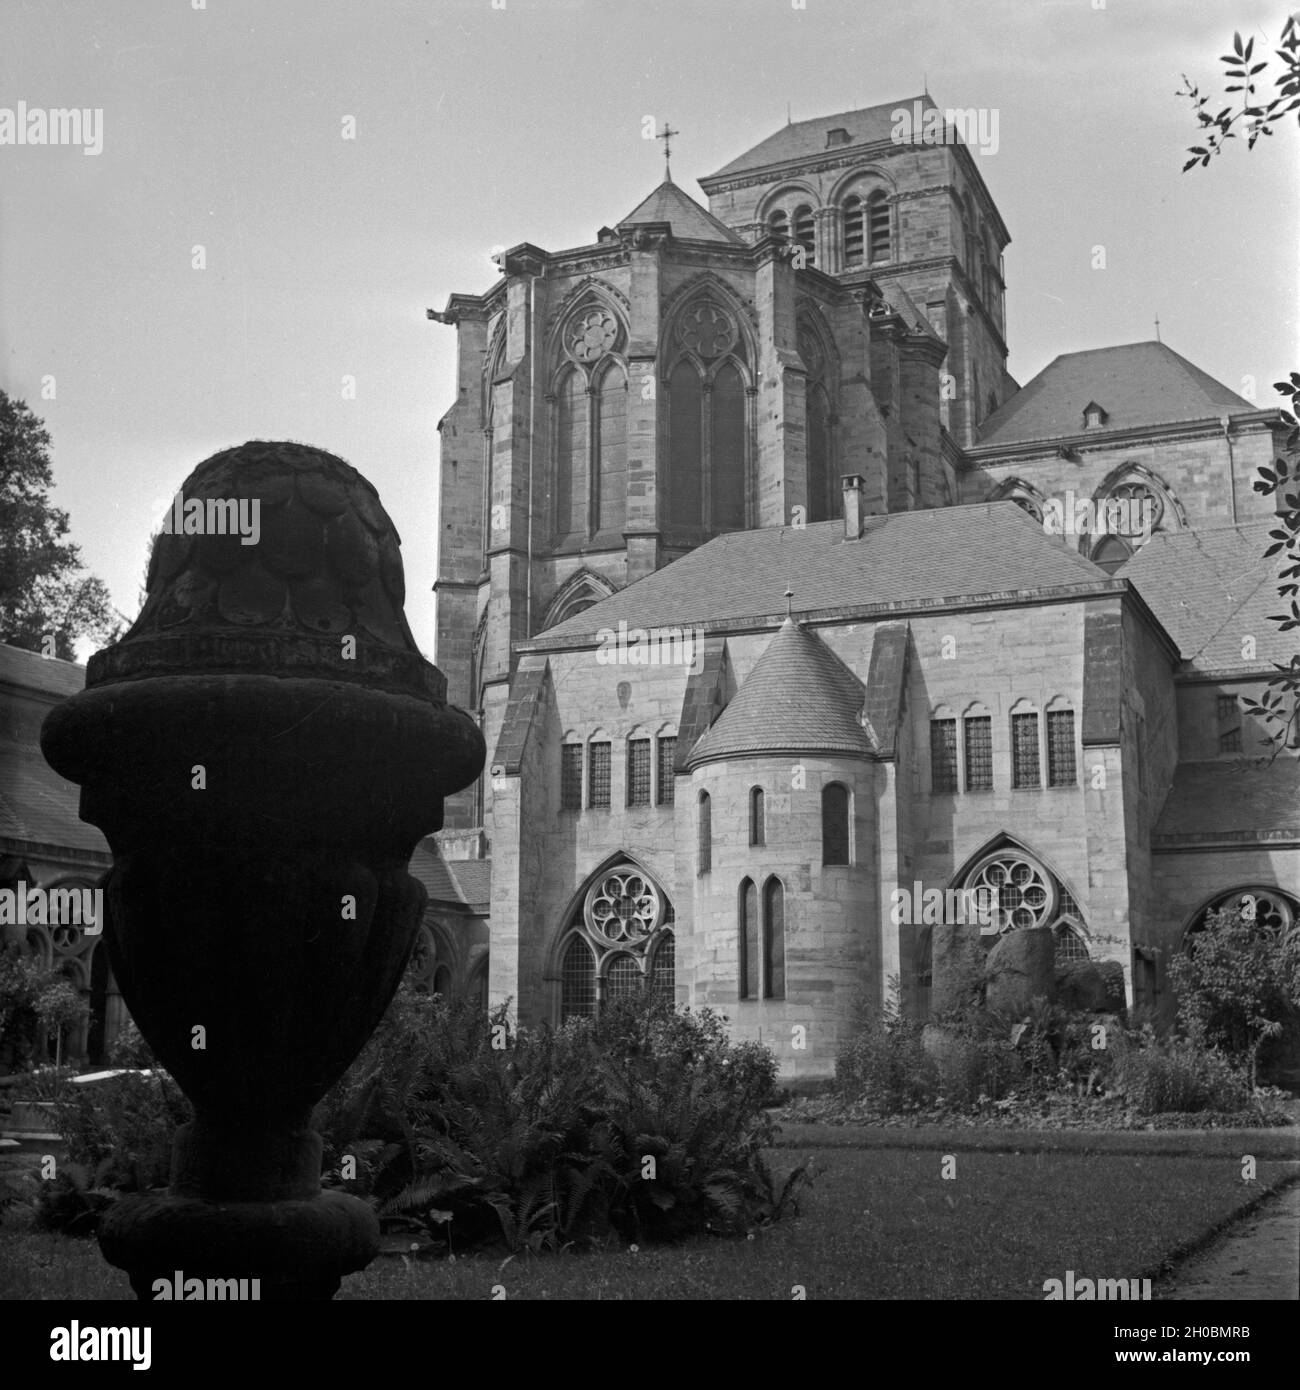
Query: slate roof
{"x": 1211, "y": 588}
{"x": 803, "y": 139}
{"x": 686, "y": 217}
{"x": 1231, "y": 800}
{"x": 906, "y": 558}
{"x": 799, "y": 698}
{"x": 462, "y": 883}
{"x": 36, "y": 804}
{"x": 1136, "y": 384}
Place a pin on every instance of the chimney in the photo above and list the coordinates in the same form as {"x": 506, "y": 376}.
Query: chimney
{"x": 852, "y": 484}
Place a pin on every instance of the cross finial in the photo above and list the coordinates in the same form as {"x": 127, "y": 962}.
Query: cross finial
{"x": 789, "y": 598}
{"x": 1157, "y": 328}
{"x": 666, "y": 135}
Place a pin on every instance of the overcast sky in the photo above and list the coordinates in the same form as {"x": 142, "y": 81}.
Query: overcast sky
{"x": 478, "y": 126}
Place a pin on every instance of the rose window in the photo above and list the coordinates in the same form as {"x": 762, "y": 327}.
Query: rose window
{"x": 1141, "y": 501}
{"x": 593, "y": 335}
{"x": 706, "y": 331}
{"x": 623, "y": 907}
{"x": 1021, "y": 887}
{"x": 1269, "y": 909}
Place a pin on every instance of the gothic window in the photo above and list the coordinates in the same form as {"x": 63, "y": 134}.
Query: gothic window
{"x": 685, "y": 445}
{"x": 1028, "y": 894}
{"x": 943, "y": 755}
{"x": 748, "y": 940}
{"x": 774, "y": 939}
{"x": 1069, "y": 944}
{"x": 1110, "y": 553}
{"x": 978, "y": 739}
{"x": 1024, "y": 751}
{"x": 620, "y": 943}
{"x": 878, "y": 227}
{"x": 591, "y": 334}
{"x": 1270, "y": 908}
{"x": 1131, "y": 511}
{"x": 611, "y": 449}
{"x": 855, "y": 221}
{"x": 571, "y": 777}
{"x": 704, "y": 844}
{"x": 728, "y": 450}
{"x": 804, "y": 232}
{"x": 442, "y": 981}
{"x": 571, "y": 453}
{"x": 667, "y": 757}
{"x": 1060, "y": 748}
{"x": 638, "y": 772}
{"x": 598, "y": 772}
{"x": 757, "y": 817}
{"x": 819, "y": 447}
{"x": 835, "y": 824}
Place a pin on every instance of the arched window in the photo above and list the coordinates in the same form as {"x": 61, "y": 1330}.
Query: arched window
{"x": 1111, "y": 553}
{"x": 611, "y": 449}
{"x": 442, "y": 981}
{"x": 577, "y": 981}
{"x": 835, "y": 824}
{"x": 727, "y": 453}
{"x": 757, "y": 827}
{"x": 805, "y": 234}
{"x": 820, "y": 506}
{"x": 748, "y": 940}
{"x": 1272, "y": 909}
{"x": 663, "y": 971}
{"x": 779, "y": 223}
{"x": 622, "y": 977}
{"x": 685, "y": 446}
{"x": 774, "y": 939}
{"x": 878, "y": 226}
{"x": 1028, "y": 894}
{"x": 855, "y": 223}
{"x": 571, "y": 452}
{"x": 704, "y": 848}
{"x": 1130, "y": 510}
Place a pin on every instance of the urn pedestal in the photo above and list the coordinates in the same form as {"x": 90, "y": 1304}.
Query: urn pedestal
{"x": 263, "y": 751}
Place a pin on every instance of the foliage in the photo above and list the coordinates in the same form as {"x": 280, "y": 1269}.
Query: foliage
{"x": 72, "y": 1202}
{"x": 646, "y": 1124}
{"x": 1180, "y": 1075}
{"x": 34, "y": 1000}
{"x": 884, "y": 1063}
{"x": 1279, "y": 708}
{"x": 1238, "y": 983}
{"x": 43, "y": 590}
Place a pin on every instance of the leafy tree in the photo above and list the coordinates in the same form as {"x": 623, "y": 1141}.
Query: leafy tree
{"x": 44, "y": 591}
{"x": 1279, "y": 707}
{"x": 1238, "y": 984}
{"x": 34, "y": 1000}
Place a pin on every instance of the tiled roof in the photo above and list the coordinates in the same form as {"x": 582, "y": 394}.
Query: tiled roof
{"x": 686, "y": 217}
{"x": 913, "y": 558}
{"x": 1212, "y": 588}
{"x": 1135, "y": 384}
{"x": 803, "y": 139}
{"x": 1226, "y": 800}
{"x": 451, "y": 882}
{"x": 799, "y": 698}
{"x": 36, "y": 804}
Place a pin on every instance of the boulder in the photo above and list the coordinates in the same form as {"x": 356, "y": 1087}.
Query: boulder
{"x": 1020, "y": 969}
{"x": 1081, "y": 985}
{"x": 957, "y": 966}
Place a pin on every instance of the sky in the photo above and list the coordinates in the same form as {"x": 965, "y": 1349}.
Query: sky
{"x": 478, "y": 124}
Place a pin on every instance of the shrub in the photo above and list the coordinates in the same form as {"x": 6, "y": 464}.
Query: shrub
{"x": 646, "y": 1124}
{"x": 884, "y": 1065}
{"x": 1179, "y": 1075}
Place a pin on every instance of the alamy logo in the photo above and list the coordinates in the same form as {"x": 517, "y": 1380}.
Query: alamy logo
{"x": 179, "y": 1289}
{"x": 1132, "y": 517}
{"x": 918, "y": 906}
{"x": 77, "y": 1343}
{"x": 34, "y": 125}
{"x": 1096, "y": 1290}
{"x": 928, "y": 125}
{"x": 53, "y": 907}
{"x": 656, "y": 646}
{"x": 215, "y": 516}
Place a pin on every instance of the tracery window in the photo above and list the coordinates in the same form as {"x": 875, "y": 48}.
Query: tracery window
{"x": 819, "y": 424}
{"x": 1028, "y": 894}
{"x": 1134, "y": 509}
{"x": 620, "y": 942}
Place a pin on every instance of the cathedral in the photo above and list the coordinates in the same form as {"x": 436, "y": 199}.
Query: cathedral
{"x": 781, "y": 604}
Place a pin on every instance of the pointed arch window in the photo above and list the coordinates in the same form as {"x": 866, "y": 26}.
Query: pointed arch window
{"x": 704, "y": 845}
{"x": 727, "y": 452}
{"x": 577, "y": 980}
{"x": 611, "y": 449}
{"x": 820, "y": 506}
{"x": 685, "y": 446}
{"x": 748, "y": 940}
{"x": 1028, "y": 894}
{"x": 774, "y": 939}
{"x": 572, "y": 444}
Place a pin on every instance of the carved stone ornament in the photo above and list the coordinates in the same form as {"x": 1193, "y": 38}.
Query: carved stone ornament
{"x": 707, "y": 331}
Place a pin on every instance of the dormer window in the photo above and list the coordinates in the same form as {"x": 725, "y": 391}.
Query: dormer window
{"x": 838, "y": 136}
{"x": 1093, "y": 416}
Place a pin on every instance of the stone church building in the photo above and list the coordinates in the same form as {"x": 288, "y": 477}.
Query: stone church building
{"x": 744, "y": 570}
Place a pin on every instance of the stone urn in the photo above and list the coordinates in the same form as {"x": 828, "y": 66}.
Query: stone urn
{"x": 263, "y": 750}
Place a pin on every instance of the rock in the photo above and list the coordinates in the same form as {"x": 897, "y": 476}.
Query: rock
{"x": 957, "y": 967}
{"x": 1081, "y": 985}
{"x": 1019, "y": 970}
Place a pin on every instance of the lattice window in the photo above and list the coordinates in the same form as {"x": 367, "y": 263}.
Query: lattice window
{"x": 1069, "y": 944}
{"x": 835, "y": 824}
{"x": 638, "y": 772}
{"x": 1024, "y": 751}
{"x": 598, "y": 776}
{"x": 978, "y": 731}
{"x": 571, "y": 777}
{"x": 577, "y": 981}
{"x": 667, "y": 757}
{"x": 663, "y": 973}
{"x": 1230, "y": 742}
{"x": 1226, "y": 707}
{"x": 1060, "y": 748}
{"x": 704, "y": 845}
{"x": 623, "y": 978}
{"x": 943, "y": 755}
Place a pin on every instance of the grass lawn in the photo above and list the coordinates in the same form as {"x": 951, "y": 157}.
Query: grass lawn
{"x": 879, "y": 1223}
